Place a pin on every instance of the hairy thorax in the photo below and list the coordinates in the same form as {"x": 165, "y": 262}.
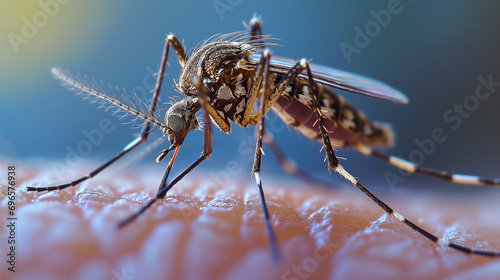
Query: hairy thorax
{"x": 227, "y": 70}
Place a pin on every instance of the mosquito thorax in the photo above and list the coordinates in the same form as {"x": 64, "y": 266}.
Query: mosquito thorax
{"x": 181, "y": 118}
{"x": 212, "y": 60}
{"x": 226, "y": 69}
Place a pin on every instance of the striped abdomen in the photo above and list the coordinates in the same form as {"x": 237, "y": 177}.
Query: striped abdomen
{"x": 346, "y": 124}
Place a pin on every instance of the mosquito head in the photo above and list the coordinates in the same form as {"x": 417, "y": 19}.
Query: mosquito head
{"x": 181, "y": 118}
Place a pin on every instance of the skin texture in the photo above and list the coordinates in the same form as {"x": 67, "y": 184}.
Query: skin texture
{"x": 204, "y": 231}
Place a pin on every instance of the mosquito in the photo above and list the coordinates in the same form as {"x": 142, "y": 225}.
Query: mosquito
{"x": 234, "y": 77}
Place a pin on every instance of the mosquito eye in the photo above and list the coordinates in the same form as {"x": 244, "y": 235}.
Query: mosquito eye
{"x": 175, "y": 123}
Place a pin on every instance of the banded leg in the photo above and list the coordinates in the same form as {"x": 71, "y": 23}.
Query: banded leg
{"x": 207, "y": 151}
{"x": 181, "y": 55}
{"x": 265, "y": 60}
{"x": 268, "y": 102}
{"x": 334, "y": 164}
{"x": 413, "y": 168}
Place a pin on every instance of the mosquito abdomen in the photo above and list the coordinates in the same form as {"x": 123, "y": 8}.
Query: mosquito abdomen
{"x": 346, "y": 124}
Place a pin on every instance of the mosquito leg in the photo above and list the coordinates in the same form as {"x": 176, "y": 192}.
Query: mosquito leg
{"x": 278, "y": 90}
{"x": 254, "y": 27}
{"x": 334, "y": 164}
{"x": 127, "y": 149}
{"x": 413, "y": 168}
{"x": 207, "y": 151}
{"x": 266, "y": 57}
{"x": 288, "y": 165}
{"x": 253, "y": 92}
{"x": 170, "y": 41}
{"x": 287, "y": 79}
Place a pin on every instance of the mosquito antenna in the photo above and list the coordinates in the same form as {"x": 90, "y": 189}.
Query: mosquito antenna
{"x": 82, "y": 85}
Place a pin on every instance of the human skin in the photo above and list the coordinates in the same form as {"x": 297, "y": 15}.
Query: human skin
{"x": 205, "y": 231}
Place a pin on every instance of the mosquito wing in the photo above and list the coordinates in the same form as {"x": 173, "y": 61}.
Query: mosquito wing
{"x": 343, "y": 80}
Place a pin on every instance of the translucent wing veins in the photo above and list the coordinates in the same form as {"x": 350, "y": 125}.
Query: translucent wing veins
{"x": 342, "y": 80}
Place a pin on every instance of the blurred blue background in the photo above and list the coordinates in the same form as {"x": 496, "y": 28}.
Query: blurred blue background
{"x": 432, "y": 51}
